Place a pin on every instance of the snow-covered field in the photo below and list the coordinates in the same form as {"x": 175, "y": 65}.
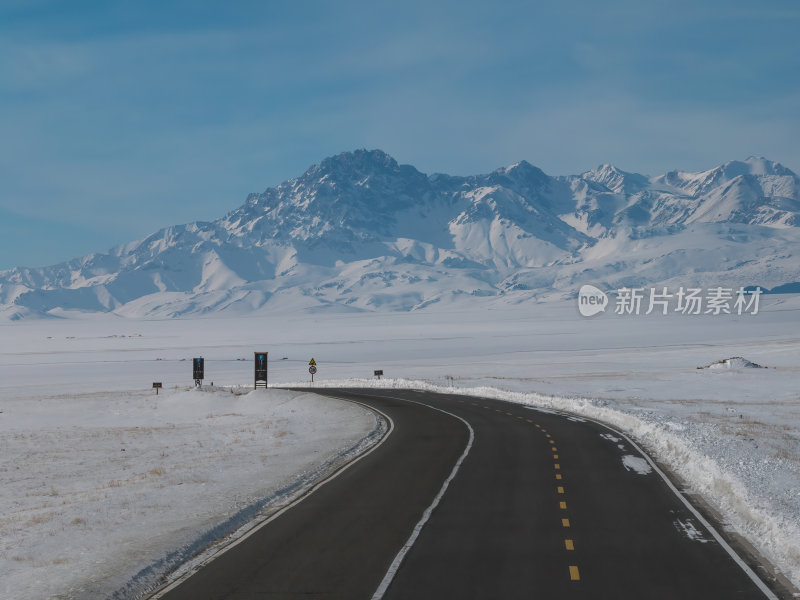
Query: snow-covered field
{"x": 104, "y": 491}
{"x": 732, "y": 432}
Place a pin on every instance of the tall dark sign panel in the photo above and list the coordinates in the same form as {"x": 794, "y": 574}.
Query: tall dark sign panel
{"x": 198, "y": 368}
{"x": 260, "y": 369}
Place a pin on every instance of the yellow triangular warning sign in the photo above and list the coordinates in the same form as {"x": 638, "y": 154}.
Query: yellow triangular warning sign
{"x": 313, "y": 363}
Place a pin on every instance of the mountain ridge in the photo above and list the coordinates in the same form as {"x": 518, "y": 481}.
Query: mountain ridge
{"x": 361, "y": 231}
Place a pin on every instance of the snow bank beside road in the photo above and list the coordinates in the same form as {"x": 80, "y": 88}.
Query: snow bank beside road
{"x": 98, "y": 488}
{"x": 726, "y": 476}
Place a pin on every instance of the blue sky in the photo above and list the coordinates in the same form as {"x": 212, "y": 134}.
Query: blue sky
{"x": 118, "y": 118}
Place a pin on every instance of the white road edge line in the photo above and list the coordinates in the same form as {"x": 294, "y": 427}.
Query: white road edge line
{"x": 733, "y": 554}
{"x": 395, "y": 566}
{"x": 172, "y": 585}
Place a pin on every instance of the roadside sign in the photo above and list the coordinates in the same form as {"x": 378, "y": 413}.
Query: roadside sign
{"x": 157, "y": 386}
{"x": 260, "y": 360}
{"x": 378, "y": 373}
{"x": 198, "y": 370}
{"x": 312, "y": 368}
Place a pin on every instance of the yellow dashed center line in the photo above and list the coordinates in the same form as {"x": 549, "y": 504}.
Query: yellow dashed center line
{"x": 574, "y": 572}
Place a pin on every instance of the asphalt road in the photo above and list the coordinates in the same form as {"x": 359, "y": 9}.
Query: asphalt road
{"x": 542, "y": 506}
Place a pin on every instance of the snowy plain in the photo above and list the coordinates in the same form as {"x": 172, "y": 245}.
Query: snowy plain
{"x": 105, "y": 492}
{"x": 732, "y": 434}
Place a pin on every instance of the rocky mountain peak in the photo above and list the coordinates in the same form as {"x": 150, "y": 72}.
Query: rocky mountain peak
{"x": 358, "y": 163}
{"x": 358, "y": 230}
{"x": 616, "y": 180}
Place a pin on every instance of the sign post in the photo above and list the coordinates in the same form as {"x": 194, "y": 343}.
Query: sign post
{"x": 378, "y": 373}
{"x": 260, "y": 368}
{"x": 157, "y": 386}
{"x": 312, "y": 368}
{"x": 198, "y": 368}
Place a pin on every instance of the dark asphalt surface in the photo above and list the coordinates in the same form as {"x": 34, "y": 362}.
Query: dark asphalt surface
{"x": 542, "y": 507}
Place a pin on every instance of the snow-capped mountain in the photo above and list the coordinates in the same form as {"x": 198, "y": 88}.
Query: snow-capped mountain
{"x": 359, "y": 231}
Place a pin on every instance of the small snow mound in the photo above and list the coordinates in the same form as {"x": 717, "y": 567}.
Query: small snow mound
{"x": 691, "y": 531}
{"x": 636, "y": 464}
{"x": 734, "y": 362}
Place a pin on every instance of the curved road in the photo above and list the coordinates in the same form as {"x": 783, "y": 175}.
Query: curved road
{"x": 542, "y": 506}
